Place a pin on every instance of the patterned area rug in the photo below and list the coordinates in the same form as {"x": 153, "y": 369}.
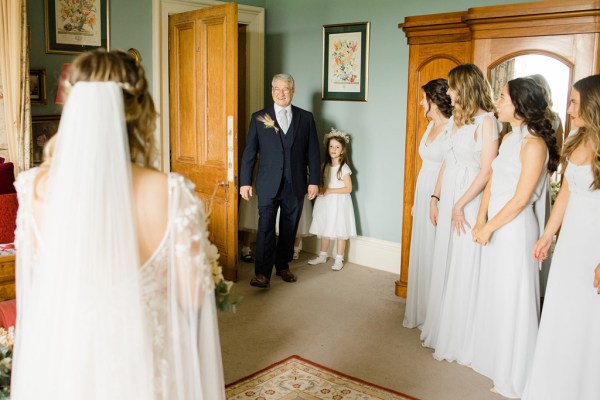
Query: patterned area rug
{"x": 298, "y": 379}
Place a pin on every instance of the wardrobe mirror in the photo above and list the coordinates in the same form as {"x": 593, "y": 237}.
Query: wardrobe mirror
{"x": 556, "y": 72}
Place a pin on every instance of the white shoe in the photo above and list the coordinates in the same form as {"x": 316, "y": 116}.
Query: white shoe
{"x": 296, "y": 253}
{"x": 320, "y": 259}
{"x": 338, "y": 264}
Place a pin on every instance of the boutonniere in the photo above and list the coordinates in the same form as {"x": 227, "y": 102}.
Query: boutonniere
{"x": 268, "y": 121}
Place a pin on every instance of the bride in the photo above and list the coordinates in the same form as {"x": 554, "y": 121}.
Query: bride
{"x": 114, "y": 286}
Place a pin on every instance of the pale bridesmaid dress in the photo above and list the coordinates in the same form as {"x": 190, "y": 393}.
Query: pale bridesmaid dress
{"x": 566, "y": 362}
{"x": 423, "y": 231}
{"x": 507, "y": 312}
{"x": 456, "y": 258}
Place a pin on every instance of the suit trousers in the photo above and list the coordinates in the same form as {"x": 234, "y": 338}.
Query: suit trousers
{"x": 270, "y": 251}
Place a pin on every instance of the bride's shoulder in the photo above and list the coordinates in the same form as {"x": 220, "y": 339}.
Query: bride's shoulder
{"x": 149, "y": 182}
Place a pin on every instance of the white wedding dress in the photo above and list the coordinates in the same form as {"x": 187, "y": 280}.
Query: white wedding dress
{"x": 91, "y": 322}
{"x": 566, "y": 362}
{"x": 423, "y": 231}
{"x": 507, "y": 313}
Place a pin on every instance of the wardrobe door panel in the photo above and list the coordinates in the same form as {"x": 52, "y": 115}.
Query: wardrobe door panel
{"x": 431, "y": 61}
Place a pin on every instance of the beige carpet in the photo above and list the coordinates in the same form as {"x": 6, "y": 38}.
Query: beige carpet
{"x": 349, "y": 321}
{"x": 299, "y": 379}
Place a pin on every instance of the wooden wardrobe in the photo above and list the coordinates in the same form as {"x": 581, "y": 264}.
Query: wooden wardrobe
{"x": 566, "y": 30}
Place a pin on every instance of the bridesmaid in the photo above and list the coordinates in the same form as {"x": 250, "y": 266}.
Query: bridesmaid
{"x": 566, "y": 362}
{"x": 507, "y": 312}
{"x": 470, "y": 147}
{"x": 438, "y": 108}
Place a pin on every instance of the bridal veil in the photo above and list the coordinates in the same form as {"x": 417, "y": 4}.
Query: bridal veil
{"x": 81, "y": 330}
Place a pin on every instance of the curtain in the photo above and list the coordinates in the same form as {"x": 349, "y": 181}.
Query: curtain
{"x": 3, "y": 135}
{"x": 14, "y": 67}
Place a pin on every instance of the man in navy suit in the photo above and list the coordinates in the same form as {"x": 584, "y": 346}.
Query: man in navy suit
{"x": 285, "y": 139}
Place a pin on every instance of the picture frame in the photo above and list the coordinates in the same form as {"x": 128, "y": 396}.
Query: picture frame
{"x": 37, "y": 86}
{"x": 345, "y": 61}
{"x": 42, "y": 129}
{"x": 76, "y": 27}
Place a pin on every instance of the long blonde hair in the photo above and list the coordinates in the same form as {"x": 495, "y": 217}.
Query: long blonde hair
{"x": 140, "y": 115}
{"x": 473, "y": 92}
{"x": 589, "y": 112}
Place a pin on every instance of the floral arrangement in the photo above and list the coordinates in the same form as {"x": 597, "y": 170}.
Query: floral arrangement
{"x": 268, "y": 121}
{"x": 222, "y": 286}
{"x": 76, "y": 14}
{"x": 554, "y": 189}
{"x": 336, "y": 133}
{"x": 7, "y": 338}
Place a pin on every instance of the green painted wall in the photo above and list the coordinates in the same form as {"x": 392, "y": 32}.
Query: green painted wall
{"x": 294, "y": 45}
{"x": 130, "y": 26}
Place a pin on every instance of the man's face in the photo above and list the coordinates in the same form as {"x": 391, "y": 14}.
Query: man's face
{"x": 282, "y": 93}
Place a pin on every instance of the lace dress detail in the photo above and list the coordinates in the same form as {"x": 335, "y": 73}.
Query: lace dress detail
{"x": 154, "y": 276}
{"x": 181, "y": 337}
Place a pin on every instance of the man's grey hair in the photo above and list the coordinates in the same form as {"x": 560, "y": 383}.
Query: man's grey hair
{"x": 284, "y": 78}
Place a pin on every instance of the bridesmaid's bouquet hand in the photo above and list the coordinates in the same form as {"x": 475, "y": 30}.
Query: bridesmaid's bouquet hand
{"x": 541, "y": 248}
{"x": 597, "y": 278}
{"x": 459, "y": 221}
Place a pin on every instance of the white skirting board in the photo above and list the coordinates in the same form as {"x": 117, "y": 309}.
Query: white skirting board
{"x": 373, "y": 253}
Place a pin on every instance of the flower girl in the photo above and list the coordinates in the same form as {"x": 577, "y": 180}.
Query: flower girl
{"x": 333, "y": 214}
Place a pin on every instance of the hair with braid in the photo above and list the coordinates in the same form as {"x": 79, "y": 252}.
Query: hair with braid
{"x": 589, "y": 112}
{"x": 436, "y": 93}
{"x": 473, "y": 92}
{"x": 529, "y": 100}
{"x": 140, "y": 115}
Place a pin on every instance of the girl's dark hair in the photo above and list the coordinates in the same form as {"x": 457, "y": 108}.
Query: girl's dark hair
{"x": 435, "y": 92}
{"x": 529, "y": 100}
{"x": 328, "y": 160}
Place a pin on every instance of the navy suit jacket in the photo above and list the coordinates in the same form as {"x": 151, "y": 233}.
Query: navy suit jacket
{"x": 305, "y": 154}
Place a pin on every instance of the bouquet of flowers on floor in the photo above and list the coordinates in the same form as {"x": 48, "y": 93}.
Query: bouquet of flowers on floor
{"x": 6, "y": 350}
{"x": 222, "y": 286}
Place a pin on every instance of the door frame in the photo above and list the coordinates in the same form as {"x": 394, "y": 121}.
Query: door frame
{"x": 252, "y": 17}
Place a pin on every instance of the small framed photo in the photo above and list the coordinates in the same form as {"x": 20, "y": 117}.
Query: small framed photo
{"x": 37, "y": 86}
{"x": 345, "y": 61}
{"x": 76, "y": 26}
{"x": 42, "y": 129}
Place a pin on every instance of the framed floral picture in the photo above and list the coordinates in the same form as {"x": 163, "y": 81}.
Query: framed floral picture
{"x": 345, "y": 61}
{"x": 42, "y": 129}
{"x": 37, "y": 86}
{"x": 76, "y": 26}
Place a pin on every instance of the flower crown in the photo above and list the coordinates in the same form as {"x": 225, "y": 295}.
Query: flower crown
{"x": 335, "y": 133}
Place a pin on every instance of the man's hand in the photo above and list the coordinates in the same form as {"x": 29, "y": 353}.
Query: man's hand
{"x": 246, "y": 192}
{"x": 313, "y": 191}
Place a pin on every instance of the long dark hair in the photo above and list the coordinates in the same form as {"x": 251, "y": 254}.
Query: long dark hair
{"x": 329, "y": 161}
{"x": 436, "y": 92}
{"x": 529, "y": 99}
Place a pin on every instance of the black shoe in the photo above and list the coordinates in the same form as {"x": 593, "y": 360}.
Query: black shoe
{"x": 247, "y": 258}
